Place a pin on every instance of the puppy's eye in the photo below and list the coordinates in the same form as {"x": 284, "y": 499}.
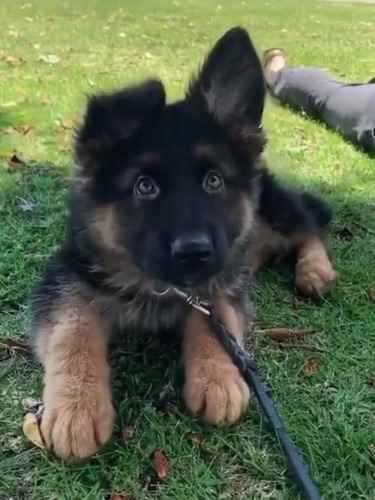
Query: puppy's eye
{"x": 146, "y": 188}
{"x": 213, "y": 182}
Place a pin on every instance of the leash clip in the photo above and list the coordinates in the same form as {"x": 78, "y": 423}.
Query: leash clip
{"x": 194, "y": 302}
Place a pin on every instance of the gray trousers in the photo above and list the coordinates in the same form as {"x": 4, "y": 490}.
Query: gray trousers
{"x": 348, "y": 108}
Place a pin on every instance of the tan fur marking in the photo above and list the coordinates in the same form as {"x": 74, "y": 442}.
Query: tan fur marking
{"x": 79, "y": 415}
{"x": 148, "y": 158}
{"x": 248, "y": 214}
{"x": 314, "y": 272}
{"x": 206, "y": 150}
{"x": 105, "y": 227}
{"x": 315, "y": 275}
{"x": 132, "y": 172}
{"x": 213, "y": 385}
{"x": 266, "y": 244}
{"x": 129, "y": 177}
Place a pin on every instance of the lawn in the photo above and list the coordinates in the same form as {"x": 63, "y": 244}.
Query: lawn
{"x": 52, "y": 54}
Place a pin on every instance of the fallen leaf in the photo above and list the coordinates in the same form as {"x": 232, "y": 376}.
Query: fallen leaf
{"x": 14, "y": 161}
{"x": 128, "y": 432}
{"x": 310, "y": 367}
{"x": 195, "y": 437}
{"x": 26, "y": 129}
{"x": 161, "y": 465}
{"x": 297, "y": 303}
{"x": 14, "y": 346}
{"x": 166, "y": 407}
{"x": 4, "y": 153}
{"x": 371, "y": 294}
{"x": 49, "y": 58}
{"x": 14, "y": 61}
{"x": 282, "y": 333}
{"x": 31, "y": 430}
{"x": 27, "y": 206}
{"x": 116, "y": 496}
{"x": 69, "y": 124}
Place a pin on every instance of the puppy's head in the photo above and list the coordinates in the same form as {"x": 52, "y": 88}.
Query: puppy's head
{"x": 175, "y": 182}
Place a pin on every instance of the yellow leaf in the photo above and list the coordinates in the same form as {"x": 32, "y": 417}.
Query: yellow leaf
{"x": 5, "y": 154}
{"x": 30, "y": 428}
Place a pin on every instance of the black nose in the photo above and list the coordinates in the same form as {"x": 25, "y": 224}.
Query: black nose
{"x": 192, "y": 247}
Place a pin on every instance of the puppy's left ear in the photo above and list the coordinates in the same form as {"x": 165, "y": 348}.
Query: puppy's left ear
{"x": 231, "y": 86}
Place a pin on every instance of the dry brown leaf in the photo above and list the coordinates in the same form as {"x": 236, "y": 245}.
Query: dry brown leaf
{"x": 282, "y": 333}
{"x": 128, "y": 432}
{"x": 26, "y": 129}
{"x": 69, "y": 124}
{"x": 31, "y": 429}
{"x": 14, "y": 346}
{"x": 166, "y": 407}
{"x": 371, "y": 294}
{"x": 116, "y": 496}
{"x": 14, "y": 61}
{"x": 161, "y": 465}
{"x": 14, "y": 162}
{"x": 310, "y": 367}
{"x": 195, "y": 437}
{"x": 297, "y": 303}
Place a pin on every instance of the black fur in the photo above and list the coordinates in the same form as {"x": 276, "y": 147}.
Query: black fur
{"x": 133, "y": 133}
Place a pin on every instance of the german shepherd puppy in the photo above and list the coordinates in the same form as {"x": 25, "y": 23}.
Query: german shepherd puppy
{"x": 167, "y": 195}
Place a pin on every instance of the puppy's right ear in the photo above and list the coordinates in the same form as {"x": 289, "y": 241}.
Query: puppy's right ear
{"x": 112, "y": 119}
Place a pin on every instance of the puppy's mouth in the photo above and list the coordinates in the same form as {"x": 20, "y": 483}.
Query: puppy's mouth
{"x": 194, "y": 276}
{"x": 184, "y": 280}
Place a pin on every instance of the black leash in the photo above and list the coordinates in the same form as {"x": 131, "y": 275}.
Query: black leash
{"x": 249, "y": 370}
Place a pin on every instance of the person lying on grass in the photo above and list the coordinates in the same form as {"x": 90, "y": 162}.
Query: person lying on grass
{"x": 346, "y": 107}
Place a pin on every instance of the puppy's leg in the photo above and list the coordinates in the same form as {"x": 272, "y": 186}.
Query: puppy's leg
{"x": 291, "y": 221}
{"x": 314, "y": 274}
{"x": 213, "y": 385}
{"x": 79, "y": 415}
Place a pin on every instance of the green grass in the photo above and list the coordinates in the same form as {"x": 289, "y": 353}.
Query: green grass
{"x": 106, "y": 44}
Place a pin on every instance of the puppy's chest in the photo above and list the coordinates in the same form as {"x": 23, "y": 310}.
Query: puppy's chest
{"x": 153, "y": 314}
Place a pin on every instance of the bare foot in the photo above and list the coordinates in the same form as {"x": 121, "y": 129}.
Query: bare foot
{"x": 274, "y": 60}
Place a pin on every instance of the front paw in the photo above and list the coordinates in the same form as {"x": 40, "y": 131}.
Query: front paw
{"x": 216, "y": 390}
{"x": 315, "y": 276}
{"x": 75, "y": 425}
